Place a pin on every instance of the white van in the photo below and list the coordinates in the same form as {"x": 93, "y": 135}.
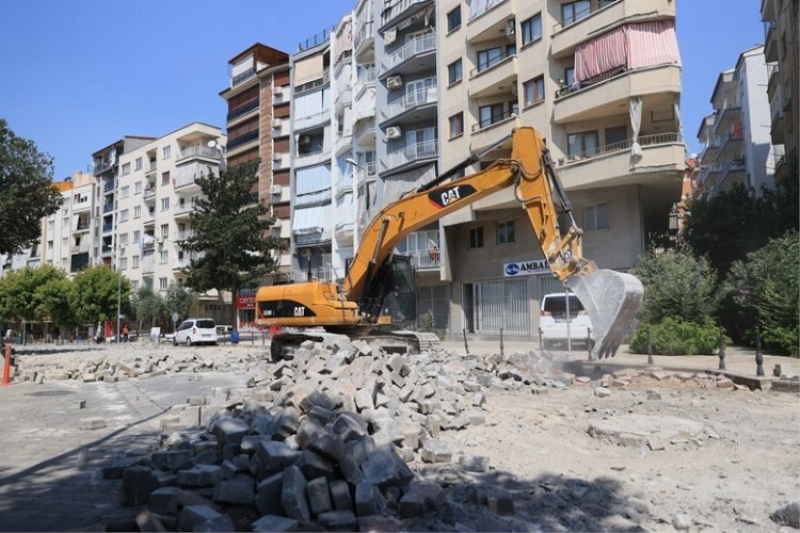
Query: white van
{"x": 553, "y": 321}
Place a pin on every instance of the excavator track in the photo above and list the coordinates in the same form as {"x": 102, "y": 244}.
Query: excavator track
{"x": 285, "y": 344}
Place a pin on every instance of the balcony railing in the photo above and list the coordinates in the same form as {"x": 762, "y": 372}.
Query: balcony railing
{"x": 242, "y": 139}
{"x": 312, "y": 120}
{"x": 493, "y": 62}
{"x": 363, "y": 34}
{"x": 149, "y": 192}
{"x": 199, "y": 150}
{"x": 242, "y": 110}
{"x": 429, "y": 95}
{"x": 315, "y": 40}
{"x": 239, "y": 78}
{"x": 428, "y": 258}
{"x": 414, "y": 152}
{"x": 411, "y": 49}
{"x": 101, "y": 167}
{"x": 495, "y": 119}
{"x": 108, "y": 226}
{"x": 322, "y": 274}
{"x": 108, "y": 207}
{"x": 582, "y": 14}
{"x": 601, "y": 151}
{"x": 108, "y": 186}
{"x": 397, "y": 8}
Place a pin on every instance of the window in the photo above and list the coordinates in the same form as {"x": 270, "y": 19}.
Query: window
{"x": 476, "y": 237}
{"x": 137, "y": 211}
{"x": 123, "y": 263}
{"x": 126, "y": 191}
{"x": 165, "y": 230}
{"x": 454, "y": 19}
{"x": 505, "y": 232}
{"x": 135, "y": 261}
{"x": 166, "y": 152}
{"x": 162, "y": 284}
{"x": 489, "y": 114}
{"x": 123, "y": 239}
{"x": 164, "y": 178}
{"x": 137, "y": 187}
{"x": 163, "y": 257}
{"x": 531, "y": 29}
{"x": 65, "y": 242}
{"x": 534, "y": 91}
{"x": 488, "y": 58}
{"x": 454, "y": 72}
{"x": 134, "y": 285}
{"x": 137, "y": 236}
{"x": 164, "y": 204}
{"x": 456, "y": 125}
{"x": 569, "y": 76}
{"x": 574, "y": 11}
{"x": 51, "y": 226}
{"x": 583, "y": 144}
{"x": 616, "y": 135}
{"x": 595, "y": 217}
{"x": 123, "y": 215}
{"x": 138, "y": 163}
{"x": 126, "y": 169}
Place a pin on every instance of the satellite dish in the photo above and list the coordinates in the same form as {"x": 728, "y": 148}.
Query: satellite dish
{"x": 212, "y": 144}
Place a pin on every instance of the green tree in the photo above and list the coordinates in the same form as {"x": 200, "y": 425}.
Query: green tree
{"x": 231, "y": 234}
{"x": 22, "y": 293}
{"x": 765, "y": 288}
{"x": 178, "y": 300}
{"x": 677, "y": 284}
{"x": 149, "y": 307}
{"x": 27, "y": 193}
{"x": 53, "y": 296}
{"x": 94, "y": 294}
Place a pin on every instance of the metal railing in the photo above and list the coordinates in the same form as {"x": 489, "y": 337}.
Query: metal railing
{"x": 414, "y": 152}
{"x": 108, "y": 186}
{"x": 428, "y": 95}
{"x": 108, "y": 226}
{"x": 397, "y": 8}
{"x": 411, "y": 49}
{"x": 199, "y": 150}
{"x": 242, "y": 110}
{"x": 317, "y": 39}
{"x": 242, "y": 139}
{"x": 494, "y": 120}
{"x": 364, "y": 33}
{"x": 246, "y": 75}
{"x": 322, "y": 274}
{"x": 493, "y": 62}
{"x": 108, "y": 207}
{"x": 601, "y": 151}
{"x": 583, "y": 14}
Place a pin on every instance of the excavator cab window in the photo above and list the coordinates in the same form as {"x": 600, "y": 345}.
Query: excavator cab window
{"x": 394, "y": 292}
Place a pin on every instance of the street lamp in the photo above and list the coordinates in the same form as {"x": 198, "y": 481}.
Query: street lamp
{"x": 120, "y": 252}
{"x": 223, "y": 165}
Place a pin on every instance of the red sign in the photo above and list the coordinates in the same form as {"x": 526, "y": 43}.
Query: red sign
{"x": 247, "y": 301}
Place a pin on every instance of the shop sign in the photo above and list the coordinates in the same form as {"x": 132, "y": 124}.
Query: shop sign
{"x": 525, "y": 268}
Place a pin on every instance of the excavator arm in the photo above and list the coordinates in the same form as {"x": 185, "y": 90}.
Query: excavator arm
{"x": 611, "y": 298}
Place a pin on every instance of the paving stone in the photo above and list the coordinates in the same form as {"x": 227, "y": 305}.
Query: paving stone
{"x": 239, "y": 490}
{"x": 91, "y": 423}
{"x": 230, "y": 430}
{"x": 275, "y": 455}
{"x": 201, "y": 517}
{"x": 385, "y": 524}
{"x": 164, "y": 500}
{"x": 369, "y": 500}
{"x": 341, "y": 498}
{"x": 138, "y": 482}
{"x": 172, "y": 460}
{"x": 269, "y": 523}
{"x": 293, "y": 494}
{"x": 314, "y": 465}
{"x": 319, "y": 496}
{"x": 200, "y": 476}
{"x": 268, "y": 495}
{"x": 435, "y": 451}
{"x": 602, "y": 392}
{"x": 338, "y": 521}
{"x": 147, "y": 522}
{"x": 474, "y": 463}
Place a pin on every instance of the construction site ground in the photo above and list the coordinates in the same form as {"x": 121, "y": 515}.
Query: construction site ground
{"x": 569, "y": 451}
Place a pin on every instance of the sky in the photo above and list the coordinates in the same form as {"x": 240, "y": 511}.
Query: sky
{"x": 77, "y": 75}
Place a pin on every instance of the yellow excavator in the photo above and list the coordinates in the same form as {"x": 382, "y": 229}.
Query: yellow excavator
{"x": 377, "y": 298}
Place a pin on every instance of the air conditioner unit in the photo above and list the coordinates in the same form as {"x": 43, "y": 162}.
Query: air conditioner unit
{"x": 275, "y": 189}
{"x": 276, "y": 122}
{"x": 511, "y": 27}
{"x": 393, "y": 132}
{"x": 394, "y": 82}
{"x": 304, "y": 139}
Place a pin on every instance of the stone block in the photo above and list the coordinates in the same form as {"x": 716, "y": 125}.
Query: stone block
{"x": 384, "y": 468}
{"x": 147, "y": 522}
{"x": 293, "y": 494}
{"x": 230, "y": 430}
{"x": 308, "y": 430}
{"x": 172, "y": 460}
{"x": 369, "y": 500}
{"x": 240, "y": 490}
{"x": 268, "y": 495}
{"x": 200, "y": 476}
{"x": 384, "y": 524}
{"x": 314, "y": 465}
{"x": 435, "y": 451}
{"x": 91, "y": 423}
{"x": 269, "y": 523}
{"x": 319, "y": 496}
{"x": 502, "y": 505}
{"x": 349, "y": 426}
{"x": 164, "y": 500}
{"x": 197, "y": 518}
{"x": 474, "y": 463}
{"x": 275, "y": 455}
{"x": 338, "y": 521}
{"x": 421, "y": 498}
{"x": 317, "y": 399}
{"x": 364, "y": 399}
{"x": 321, "y": 415}
{"x": 341, "y": 498}
{"x": 350, "y": 469}
{"x": 327, "y": 445}
{"x": 138, "y": 482}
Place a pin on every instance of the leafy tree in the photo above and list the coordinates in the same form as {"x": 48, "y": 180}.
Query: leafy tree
{"x": 178, "y": 300}
{"x": 22, "y": 294}
{"x": 677, "y": 284}
{"x": 53, "y": 296}
{"x": 95, "y": 292}
{"x": 149, "y": 307}
{"x": 765, "y": 288}
{"x": 231, "y": 238}
{"x": 27, "y": 193}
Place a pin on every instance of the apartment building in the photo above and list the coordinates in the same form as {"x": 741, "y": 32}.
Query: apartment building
{"x": 601, "y": 81}
{"x": 782, "y": 54}
{"x": 736, "y": 136}
{"x": 154, "y": 194}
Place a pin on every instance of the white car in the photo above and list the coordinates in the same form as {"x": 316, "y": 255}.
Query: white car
{"x": 196, "y": 331}
{"x": 553, "y": 321}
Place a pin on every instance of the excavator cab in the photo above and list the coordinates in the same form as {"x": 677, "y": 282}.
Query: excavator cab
{"x": 392, "y": 296}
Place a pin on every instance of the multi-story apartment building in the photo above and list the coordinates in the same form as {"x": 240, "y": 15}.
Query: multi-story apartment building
{"x": 736, "y": 137}
{"x": 154, "y": 195}
{"x": 601, "y": 82}
{"x": 782, "y": 53}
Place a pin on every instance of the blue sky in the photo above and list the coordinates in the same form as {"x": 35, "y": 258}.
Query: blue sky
{"x": 77, "y": 75}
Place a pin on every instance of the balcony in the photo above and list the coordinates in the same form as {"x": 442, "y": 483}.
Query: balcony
{"x": 412, "y": 49}
{"x": 344, "y": 233}
{"x": 411, "y": 154}
{"x": 317, "y": 39}
{"x": 611, "y": 165}
{"x": 108, "y": 186}
{"x": 82, "y": 226}
{"x": 242, "y": 110}
{"x": 709, "y": 155}
{"x": 730, "y": 143}
{"x": 149, "y": 218}
{"x": 149, "y": 192}
{"x": 184, "y": 210}
{"x": 101, "y": 167}
{"x": 344, "y": 99}
{"x": 242, "y": 139}
{"x": 365, "y": 172}
{"x": 732, "y": 173}
{"x": 313, "y": 157}
{"x": 108, "y": 227}
{"x": 488, "y": 132}
{"x": 79, "y": 207}
{"x": 498, "y": 76}
{"x": 777, "y": 130}
{"x": 603, "y": 99}
{"x": 410, "y": 102}
{"x": 322, "y": 274}
{"x": 364, "y": 38}
{"x": 151, "y": 169}
{"x": 731, "y": 110}
{"x": 185, "y": 177}
{"x": 774, "y": 83}
{"x": 107, "y": 208}
{"x": 602, "y": 17}
{"x": 198, "y": 152}
{"x": 310, "y": 121}
{"x": 403, "y": 8}
{"x": 428, "y": 259}
{"x": 771, "y": 42}
{"x": 244, "y": 76}
{"x": 491, "y": 23}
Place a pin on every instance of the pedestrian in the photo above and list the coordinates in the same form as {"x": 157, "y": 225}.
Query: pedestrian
{"x": 125, "y": 332}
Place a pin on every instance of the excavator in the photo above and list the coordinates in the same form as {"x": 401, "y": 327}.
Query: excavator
{"x": 376, "y": 300}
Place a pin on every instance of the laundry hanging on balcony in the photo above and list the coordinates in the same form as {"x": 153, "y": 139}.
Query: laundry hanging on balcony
{"x": 628, "y": 47}
{"x": 635, "y": 108}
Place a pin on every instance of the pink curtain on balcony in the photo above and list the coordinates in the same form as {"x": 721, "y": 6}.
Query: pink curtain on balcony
{"x": 631, "y": 46}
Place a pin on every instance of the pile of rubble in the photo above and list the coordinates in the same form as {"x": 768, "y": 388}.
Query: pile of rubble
{"x": 329, "y": 441}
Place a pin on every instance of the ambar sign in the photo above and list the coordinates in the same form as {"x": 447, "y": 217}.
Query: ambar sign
{"x": 525, "y": 268}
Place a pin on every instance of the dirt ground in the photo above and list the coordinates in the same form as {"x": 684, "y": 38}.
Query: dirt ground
{"x": 650, "y": 456}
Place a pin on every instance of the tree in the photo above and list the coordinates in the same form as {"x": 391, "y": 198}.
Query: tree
{"x": 677, "y": 284}
{"x": 178, "y": 300}
{"x": 27, "y": 193}
{"x": 53, "y": 296}
{"x": 765, "y": 288}
{"x": 231, "y": 234}
{"x": 148, "y": 307}
{"x": 24, "y": 293}
{"x": 95, "y": 292}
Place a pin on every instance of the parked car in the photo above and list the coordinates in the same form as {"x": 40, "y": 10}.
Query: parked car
{"x": 196, "y": 331}
{"x": 553, "y": 321}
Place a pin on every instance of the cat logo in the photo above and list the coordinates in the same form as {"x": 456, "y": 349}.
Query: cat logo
{"x": 443, "y": 198}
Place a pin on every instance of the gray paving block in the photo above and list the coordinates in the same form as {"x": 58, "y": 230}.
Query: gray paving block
{"x": 269, "y": 523}
{"x": 341, "y": 498}
{"x": 328, "y": 445}
{"x": 172, "y": 460}
{"x": 137, "y": 484}
{"x": 94, "y": 422}
{"x": 268, "y": 495}
{"x": 317, "y": 399}
{"x": 164, "y": 500}
{"x": 314, "y": 465}
{"x": 369, "y": 500}
{"x": 435, "y": 451}
{"x": 203, "y": 518}
{"x": 275, "y": 455}
{"x": 200, "y": 476}
{"x": 239, "y": 490}
{"x": 338, "y": 521}
{"x": 308, "y": 430}
{"x": 293, "y": 494}
{"x": 319, "y": 496}
{"x": 230, "y": 430}
{"x": 421, "y": 498}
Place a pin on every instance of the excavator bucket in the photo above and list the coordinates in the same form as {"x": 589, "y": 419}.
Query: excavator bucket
{"x": 612, "y": 300}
